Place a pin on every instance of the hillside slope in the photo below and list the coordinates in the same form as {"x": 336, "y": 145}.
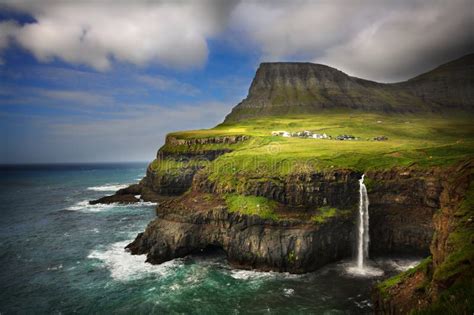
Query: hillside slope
{"x": 305, "y": 88}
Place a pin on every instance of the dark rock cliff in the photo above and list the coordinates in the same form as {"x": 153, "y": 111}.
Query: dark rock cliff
{"x": 337, "y": 189}
{"x": 442, "y": 284}
{"x": 403, "y": 202}
{"x": 193, "y": 223}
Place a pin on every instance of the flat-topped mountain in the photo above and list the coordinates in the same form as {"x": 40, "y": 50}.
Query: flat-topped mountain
{"x": 283, "y": 88}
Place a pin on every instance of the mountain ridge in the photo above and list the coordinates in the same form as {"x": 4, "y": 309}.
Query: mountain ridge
{"x": 286, "y": 88}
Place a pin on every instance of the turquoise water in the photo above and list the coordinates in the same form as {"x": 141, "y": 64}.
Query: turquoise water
{"x": 59, "y": 255}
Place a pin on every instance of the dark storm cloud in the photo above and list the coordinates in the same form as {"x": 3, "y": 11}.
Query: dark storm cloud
{"x": 381, "y": 40}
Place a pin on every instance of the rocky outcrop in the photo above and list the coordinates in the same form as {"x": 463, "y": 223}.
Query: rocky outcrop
{"x": 194, "y": 223}
{"x": 124, "y": 196}
{"x": 116, "y": 198}
{"x": 131, "y": 194}
{"x": 292, "y": 88}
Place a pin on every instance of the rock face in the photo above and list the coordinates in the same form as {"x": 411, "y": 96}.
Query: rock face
{"x": 337, "y": 189}
{"x": 284, "y": 88}
{"x": 157, "y": 185}
{"x": 444, "y": 284}
{"x": 192, "y": 224}
{"x": 403, "y": 202}
{"x": 193, "y": 154}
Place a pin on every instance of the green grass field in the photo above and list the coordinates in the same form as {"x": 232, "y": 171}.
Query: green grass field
{"x": 422, "y": 141}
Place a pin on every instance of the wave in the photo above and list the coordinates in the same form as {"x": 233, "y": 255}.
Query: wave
{"x": 84, "y": 206}
{"x": 401, "y": 264}
{"x": 288, "y": 292}
{"x": 55, "y": 268}
{"x": 255, "y": 275}
{"x": 349, "y": 268}
{"x": 124, "y": 266}
{"x": 367, "y": 271}
{"x": 107, "y": 187}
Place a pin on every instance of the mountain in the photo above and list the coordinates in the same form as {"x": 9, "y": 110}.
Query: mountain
{"x": 289, "y": 88}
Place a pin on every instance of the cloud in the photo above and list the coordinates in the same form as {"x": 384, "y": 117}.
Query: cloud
{"x": 381, "y": 40}
{"x": 162, "y": 83}
{"x": 77, "y": 100}
{"x": 96, "y": 32}
{"x": 76, "y": 97}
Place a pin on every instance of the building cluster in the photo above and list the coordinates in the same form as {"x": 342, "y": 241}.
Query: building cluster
{"x": 301, "y": 134}
{"x": 380, "y": 138}
{"x": 346, "y": 137}
{"x": 309, "y": 134}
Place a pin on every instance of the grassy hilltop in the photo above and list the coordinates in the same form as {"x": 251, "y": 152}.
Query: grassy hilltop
{"x": 427, "y": 140}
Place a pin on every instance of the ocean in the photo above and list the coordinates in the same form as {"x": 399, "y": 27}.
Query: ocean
{"x": 60, "y": 255}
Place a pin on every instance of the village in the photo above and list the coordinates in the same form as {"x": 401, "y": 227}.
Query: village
{"x": 311, "y": 135}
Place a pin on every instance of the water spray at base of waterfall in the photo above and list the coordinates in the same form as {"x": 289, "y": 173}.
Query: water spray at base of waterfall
{"x": 361, "y": 267}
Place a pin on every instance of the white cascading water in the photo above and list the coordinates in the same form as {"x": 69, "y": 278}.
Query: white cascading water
{"x": 363, "y": 235}
{"x": 361, "y": 267}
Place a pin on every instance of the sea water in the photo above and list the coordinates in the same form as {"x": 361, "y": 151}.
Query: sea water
{"x": 60, "y": 255}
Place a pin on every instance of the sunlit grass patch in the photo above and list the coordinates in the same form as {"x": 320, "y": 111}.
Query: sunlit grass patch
{"x": 251, "y": 205}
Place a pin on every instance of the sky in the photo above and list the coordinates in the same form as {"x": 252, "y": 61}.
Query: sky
{"x": 102, "y": 81}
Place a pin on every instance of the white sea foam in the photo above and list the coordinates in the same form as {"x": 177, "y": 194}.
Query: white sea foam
{"x": 403, "y": 264}
{"x": 366, "y": 271}
{"x": 84, "y": 206}
{"x": 249, "y": 274}
{"x": 54, "y": 268}
{"x": 254, "y": 274}
{"x": 108, "y": 187}
{"x": 124, "y": 266}
{"x": 288, "y": 292}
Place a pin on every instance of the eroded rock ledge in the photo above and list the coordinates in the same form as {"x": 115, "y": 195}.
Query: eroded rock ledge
{"x": 195, "y": 222}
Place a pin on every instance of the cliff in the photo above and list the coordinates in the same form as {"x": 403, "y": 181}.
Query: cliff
{"x": 290, "y": 203}
{"x": 299, "y": 237}
{"x": 196, "y": 222}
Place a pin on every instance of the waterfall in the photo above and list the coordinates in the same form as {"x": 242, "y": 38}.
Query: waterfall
{"x": 362, "y": 267}
{"x": 363, "y": 235}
